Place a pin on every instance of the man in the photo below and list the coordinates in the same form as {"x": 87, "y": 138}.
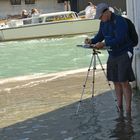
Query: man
{"x": 35, "y": 15}
{"x": 67, "y": 6}
{"x": 90, "y": 10}
{"x": 24, "y": 14}
{"x": 113, "y": 30}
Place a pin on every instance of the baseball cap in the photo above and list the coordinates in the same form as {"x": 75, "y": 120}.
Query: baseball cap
{"x": 100, "y": 8}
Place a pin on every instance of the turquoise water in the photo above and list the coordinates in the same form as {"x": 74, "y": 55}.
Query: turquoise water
{"x": 44, "y": 56}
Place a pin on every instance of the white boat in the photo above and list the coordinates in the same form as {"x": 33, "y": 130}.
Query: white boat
{"x": 47, "y": 25}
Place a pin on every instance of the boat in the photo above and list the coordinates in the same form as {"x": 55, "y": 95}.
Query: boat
{"x": 47, "y": 25}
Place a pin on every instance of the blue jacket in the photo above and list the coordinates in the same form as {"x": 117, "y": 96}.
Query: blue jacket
{"x": 114, "y": 32}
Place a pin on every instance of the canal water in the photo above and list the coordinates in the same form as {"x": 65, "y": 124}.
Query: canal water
{"x": 44, "y": 56}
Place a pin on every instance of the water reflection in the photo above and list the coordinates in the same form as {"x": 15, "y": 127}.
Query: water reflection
{"x": 123, "y": 129}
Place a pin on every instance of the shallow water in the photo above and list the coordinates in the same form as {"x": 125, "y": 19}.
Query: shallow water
{"x": 43, "y": 56}
{"x": 102, "y": 121}
{"x": 96, "y": 120}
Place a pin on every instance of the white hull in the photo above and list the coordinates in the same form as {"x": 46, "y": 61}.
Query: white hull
{"x": 51, "y": 29}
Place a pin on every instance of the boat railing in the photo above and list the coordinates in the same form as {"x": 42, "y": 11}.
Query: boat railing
{"x": 42, "y": 18}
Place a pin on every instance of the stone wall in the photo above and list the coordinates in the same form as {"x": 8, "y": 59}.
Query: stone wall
{"x": 44, "y": 6}
{"x": 133, "y": 13}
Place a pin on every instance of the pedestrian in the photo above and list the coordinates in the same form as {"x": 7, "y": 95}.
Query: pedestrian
{"x": 113, "y": 34}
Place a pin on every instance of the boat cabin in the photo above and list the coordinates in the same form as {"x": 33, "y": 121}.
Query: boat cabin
{"x": 42, "y": 18}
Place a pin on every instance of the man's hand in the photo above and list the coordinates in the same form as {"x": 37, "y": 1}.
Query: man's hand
{"x": 99, "y": 45}
{"x": 88, "y": 41}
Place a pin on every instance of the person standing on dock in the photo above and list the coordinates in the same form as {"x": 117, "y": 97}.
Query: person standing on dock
{"x": 114, "y": 30}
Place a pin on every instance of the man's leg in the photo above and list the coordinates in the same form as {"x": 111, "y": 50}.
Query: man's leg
{"x": 119, "y": 94}
{"x": 128, "y": 95}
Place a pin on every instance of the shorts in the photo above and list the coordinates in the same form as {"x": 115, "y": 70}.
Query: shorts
{"x": 119, "y": 69}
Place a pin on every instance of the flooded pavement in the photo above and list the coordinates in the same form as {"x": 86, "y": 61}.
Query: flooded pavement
{"x": 45, "y": 109}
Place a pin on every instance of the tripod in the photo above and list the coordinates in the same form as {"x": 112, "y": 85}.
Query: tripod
{"x": 93, "y": 62}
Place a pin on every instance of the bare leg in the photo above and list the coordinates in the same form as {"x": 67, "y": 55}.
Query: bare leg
{"x": 128, "y": 95}
{"x": 119, "y": 94}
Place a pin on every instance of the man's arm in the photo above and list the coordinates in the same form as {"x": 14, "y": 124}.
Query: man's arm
{"x": 98, "y": 38}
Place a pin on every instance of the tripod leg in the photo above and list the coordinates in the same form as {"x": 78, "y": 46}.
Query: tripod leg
{"x": 93, "y": 74}
{"x": 84, "y": 86}
{"x": 108, "y": 84}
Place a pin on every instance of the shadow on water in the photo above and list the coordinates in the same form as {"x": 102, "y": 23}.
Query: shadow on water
{"x": 96, "y": 120}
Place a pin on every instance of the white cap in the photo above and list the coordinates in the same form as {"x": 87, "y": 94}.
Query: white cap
{"x": 99, "y": 9}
